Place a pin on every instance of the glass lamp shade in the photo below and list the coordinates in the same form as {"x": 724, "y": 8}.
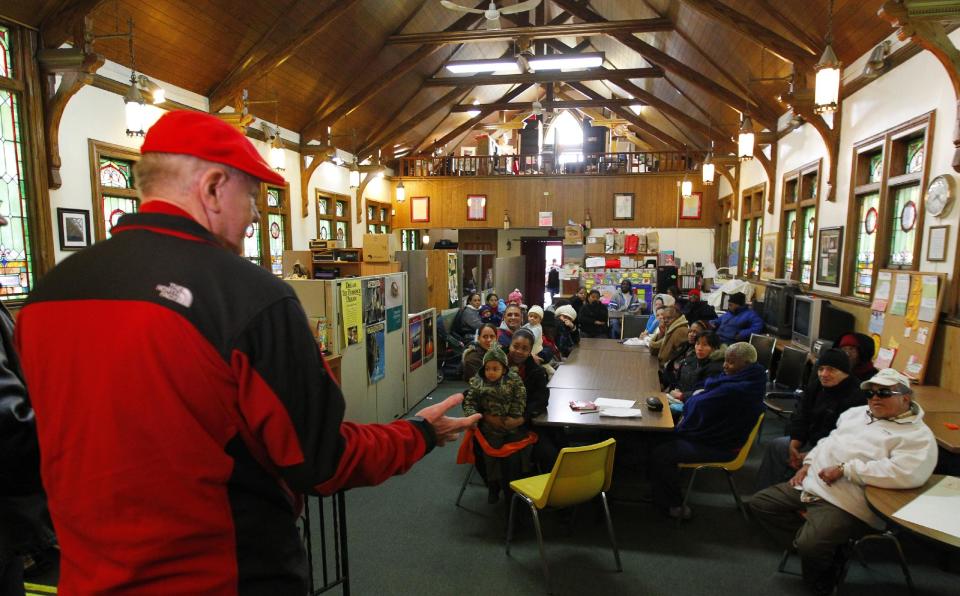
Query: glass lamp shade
{"x": 827, "y": 90}
{"x": 401, "y": 192}
{"x": 135, "y": 112}
{"x": 354, "y": 178}
{"x": 686, "y": 188}
{"x": 709, "y": 172}
{"x": 426, "y": 239}
{"x": 278, "y": 159}
{"x": 746, "y": 139}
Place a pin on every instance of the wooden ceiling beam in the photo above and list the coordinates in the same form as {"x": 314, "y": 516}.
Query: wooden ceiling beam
{"x": 473, "y": 121}
{"x": 783, "y": 48}
{"x": 66, "y": 23}
{"x": 454, "y": 95}
{"x": 533, "y": 32}
{"x": 811, "y": 42}
{"x": 549, "y": 105}
{"x": 672, "y": 65}
{"x": 632, "y": 118}
{"x": 551, "y": 76}
{"x": 249, "y": 68}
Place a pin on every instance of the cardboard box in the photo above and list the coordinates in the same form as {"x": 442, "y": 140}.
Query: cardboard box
{"x": 379, "y": 248}
{"x": 595, "y": 245}
{"x": 572, "y": 235}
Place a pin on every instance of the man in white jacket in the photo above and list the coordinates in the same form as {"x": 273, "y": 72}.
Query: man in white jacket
{"x": 884, "y": 443}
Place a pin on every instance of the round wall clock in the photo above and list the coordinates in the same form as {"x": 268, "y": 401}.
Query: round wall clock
{"x": 908, "y": 216}
{"x": 939, "y": 196}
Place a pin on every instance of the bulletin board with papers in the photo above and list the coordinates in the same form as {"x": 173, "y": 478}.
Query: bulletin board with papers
{"x": 903, "y": 317}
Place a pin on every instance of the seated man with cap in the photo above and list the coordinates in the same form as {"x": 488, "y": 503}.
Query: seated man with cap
{"x": 831, "y": 392}
{"x": 739, "y": 322}
{"x": 696, "y": 309}
{"x": 884, "y": 443}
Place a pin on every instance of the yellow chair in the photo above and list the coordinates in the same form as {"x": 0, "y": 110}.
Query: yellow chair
{"x": 729, "y": 467}
{"x": 578, "y": 475}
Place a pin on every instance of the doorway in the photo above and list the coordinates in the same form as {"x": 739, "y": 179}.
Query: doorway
{"x": 538, "y": 254}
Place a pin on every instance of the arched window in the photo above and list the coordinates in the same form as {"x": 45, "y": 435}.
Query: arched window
{"x": 566, "y": 136}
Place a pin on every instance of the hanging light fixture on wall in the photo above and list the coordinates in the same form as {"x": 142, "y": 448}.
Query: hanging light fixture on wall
{"x": 746, "y": 139}
{"x": 134, "y": 105}
{"x": 401, "y": 192}
{"x": 827, "y": 90}
{"x": 278, "y": 157}
{"x": 354, "y": 176}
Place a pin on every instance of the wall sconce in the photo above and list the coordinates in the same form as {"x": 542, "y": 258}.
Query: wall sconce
{"x": 157, "y": 93}
{"x": 506, "y": 220}
{"x": 877, "y": 63}
{"x": 426, "y": 239}
{"x": 401, "y": 193}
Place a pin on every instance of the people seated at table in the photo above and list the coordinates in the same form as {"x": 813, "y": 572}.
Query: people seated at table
{"x": 538, "y": 394}
{"x": 673, "y": 340}
{"x": 859, "y": 348}
{"x": 696, "y": 309}
{"x": 534, "y": 320}
{"x": 490, "y": 312}
{"x": 678, "y": 301}
{"x": 473, "y": 355}
{"x": 503, "y": 444}
{"x": 593, "y": 317}
{"x": 706, "y": 361}
{"x": 467, "y": 321}
{"x": 884, "y": 443}
{"x": 623, "y": 301}
{"x": 653, "y": 323}
{"x": 512, "y": 320}
{"x": 739, "y": 322}
{"x": 577, "y": 300}
{"x": 669, "y": 372}
{"x": 831, "y": 392}
{"x": 716, "y": 423}
{"x": 568, "y": 336}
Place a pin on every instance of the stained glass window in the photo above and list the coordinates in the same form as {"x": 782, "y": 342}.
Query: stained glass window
{"x": 757, "y": 243}
{"x": 903, "y": 225}
{"x": 790, "y": 233}
{"x": 876, "y": 168}
{"x": 16, "y": 259}
{"x": 6, "y": 59}
{"x": 273, "y": 197}
{"x": 745, "y": 256}
{"x": 277, "y": 242}
{"x": 915, "y": 156}
{"x": 867, "y": 208}
{"x": 116, "y": 173}
{"x": 409, "y": 239}
{"x": 333, "y": 219}
{"x": 251, "y": 244}
{"x": 806, "y": 244}
{"x": 114, "y": 208}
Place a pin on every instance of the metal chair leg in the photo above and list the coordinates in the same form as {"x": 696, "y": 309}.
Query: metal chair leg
{"x": 613, "y": 538}
{"x": 686, "y": 496}
{"x": 513, "y": 507}
{"x": 781, "y": 568}
{"x": 543, "y": 554}
{"x": 466, "y": 481}
{"x": 736, "y": 495}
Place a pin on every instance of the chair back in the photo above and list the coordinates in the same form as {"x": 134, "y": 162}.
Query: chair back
{"x": 765, "y": 344}
{"x": 633, "y": 325}
{"x": 579, "y": 474}
{"x": 793, "y": 363}
{"x": 737, "y": 463}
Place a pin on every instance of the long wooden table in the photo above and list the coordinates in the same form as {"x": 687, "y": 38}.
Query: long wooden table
{"x": 604, "y": 368}
{"x": 887, "y": 501}
{"x": 940, "y": 407}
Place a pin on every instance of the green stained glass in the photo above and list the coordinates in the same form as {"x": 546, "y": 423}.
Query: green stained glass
{"x": 876, "y": 168}
{"x": 273, "y": 197}
{"x": 868, "y": 206}
{"x": 371, "y": 229}
{"x": 790, "y": 223}
{"x": 276, "y": 233}
{"x": 116, "y": 207}
{"x": 322, "y": 206}
{"x": 341, "y": 208}
{"x": 370, "y": 213}
{"x": 6, "y": 60}
{"x": 904, "y": 215}
{"x": 251, "y": 244}
{"x": 16, "y": 259}
{"x": 341, "y": 231}
{"x": 806, "y": 244}
{"x": 914, "y": 156}
{"x": 757, "y": 243}
{"x": 745, "y": 256}
{"x": 325, "y": 232}
{"x": 116, "y": 173}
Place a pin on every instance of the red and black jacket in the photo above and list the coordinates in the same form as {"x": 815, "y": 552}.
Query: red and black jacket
{"x": 182, "y": 405}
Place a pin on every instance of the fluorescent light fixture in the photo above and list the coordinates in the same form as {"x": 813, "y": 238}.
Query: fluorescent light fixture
{"x": 566, "y": 61}
{"x": 474, "y": 66}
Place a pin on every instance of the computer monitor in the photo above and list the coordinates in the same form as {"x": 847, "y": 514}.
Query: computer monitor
{"x": 815, "y": 318}
{"x": 778, "y": 308}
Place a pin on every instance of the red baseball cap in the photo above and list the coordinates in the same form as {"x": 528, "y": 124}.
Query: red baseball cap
{"x": 205, "y": 136}
{"x": 694, "y": 292}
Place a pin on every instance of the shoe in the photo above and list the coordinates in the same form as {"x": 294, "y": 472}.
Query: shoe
{"x": 683, "y": 512}
{"x": 493, "y": 495}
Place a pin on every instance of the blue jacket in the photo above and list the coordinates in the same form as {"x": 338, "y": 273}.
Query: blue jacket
{"x": 733, "y": 327}
{"x": 723, "y": 415}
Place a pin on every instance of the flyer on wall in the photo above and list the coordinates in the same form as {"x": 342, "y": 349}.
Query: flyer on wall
{"x": 352, "y": 306}
{"x": 373, "y": 301}
{"x": 416, "y": 343}
{"x": 376, "y": 352}
{"x": 427, "y": 339}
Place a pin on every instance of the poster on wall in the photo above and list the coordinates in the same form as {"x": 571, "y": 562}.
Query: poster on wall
{"x": 427, "y": 338}
{"x": 351, "y": 304}
{"x": 394, "y": 299}
{"x": 376, "y": 352}
{"x": 373, "y": 301}
{"x": 416, "y": 343}
{"x": 454, "y": 293}
{"x": 768, "y": 258}
{"x": 733, "y": 254}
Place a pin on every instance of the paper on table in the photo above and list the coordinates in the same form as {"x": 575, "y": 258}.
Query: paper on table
{"x": 936, "y": 508}
{"x": 621, "y": 412}
{"x": 606, "y": 402}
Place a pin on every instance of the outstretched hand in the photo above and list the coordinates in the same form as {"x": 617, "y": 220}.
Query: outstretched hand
{"x": 447, "y": 428}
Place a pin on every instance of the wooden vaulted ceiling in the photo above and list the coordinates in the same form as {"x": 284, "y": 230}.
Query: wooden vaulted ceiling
{"x": 321, "y": 58}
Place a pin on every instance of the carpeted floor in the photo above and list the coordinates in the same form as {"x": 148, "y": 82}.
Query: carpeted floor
{"x": 408, "y": 537}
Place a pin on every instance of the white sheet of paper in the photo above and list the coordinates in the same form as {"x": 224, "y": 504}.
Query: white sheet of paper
{"x": 936, "y": 508}
{"x": 606, "y": 402}
{"x": 621, "y": 412}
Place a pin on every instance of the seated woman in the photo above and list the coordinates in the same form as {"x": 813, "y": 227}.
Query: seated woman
{"x": 512, "y": 321}
{"x": 653, "y": 323}
{"x": 467, "y": 321}
{"x": 696, "y": 309}
{"x": 673, "y": 340}
{"x": 859, "y": 348}
{"x": 705, "y": 362}
{"x": 490, "y": 312}
{"x": 670, "y": 373}
{"x": 473, "y": 355}
{"x": 503, "y": 444}
{"x": 538, "y": 394}
{"x": 593, "y": 316}
{"x": 567, "y": 334}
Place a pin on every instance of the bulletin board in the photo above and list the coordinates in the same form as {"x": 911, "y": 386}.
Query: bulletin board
{"x": 904, "y": 314}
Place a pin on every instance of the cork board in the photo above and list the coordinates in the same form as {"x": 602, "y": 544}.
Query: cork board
{"x": 903, "y": 315}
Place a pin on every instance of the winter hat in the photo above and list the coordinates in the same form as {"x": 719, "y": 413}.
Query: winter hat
{"x": 515, "y": 296}
{"x": 567, "y": 311}
{"x": 738, "y": 298}
{"x": 495, "y": 353}
{"x": 667, "y": 299}
{"x": 863, "y": 343}
{"x": 535, "y": 310}
{"x": 694, "y": 292}
{"x": 887, "y": 377}
{"x": 835, "y": 358}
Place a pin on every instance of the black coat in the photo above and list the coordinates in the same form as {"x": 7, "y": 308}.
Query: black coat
{"x": 699, "y": 311}
{"x": 589, "y": 313}
{"x": 538, "y": 394}
{"x": 817, "y": 412}
{"x": 694, "y": 372}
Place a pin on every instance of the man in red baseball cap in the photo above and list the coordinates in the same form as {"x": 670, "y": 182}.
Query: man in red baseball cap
{"x": 696, "y": 309}
{"x": 177, "y": 444}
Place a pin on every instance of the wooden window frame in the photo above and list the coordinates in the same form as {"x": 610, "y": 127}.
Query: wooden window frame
{"x": 752, "y": 207}
{"x": 417, "y": 233}
{"x": 724, "y": 225}
{"x": 332, "y": 217}
{"x": 378, "y": 206}
{"x": 97, "y": 151}
{"x": 800, "y": 177}
{"x": 885, "y": 187}
{"x": 283, "y": 211}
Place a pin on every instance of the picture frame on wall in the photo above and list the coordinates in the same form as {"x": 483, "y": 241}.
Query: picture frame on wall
{"x": 768, "y": 256}
{"x": 420, "y": 209}
{"x": 74, "y": 225}
{"x": 476, "y": 207}
{"x": 829, "y": 251}
{"x": 937, "y": 240}
{"x": 691, "y": 207}
{"x": 623, "y": 205}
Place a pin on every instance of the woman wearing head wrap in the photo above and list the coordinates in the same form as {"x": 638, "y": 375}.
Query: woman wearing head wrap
{"x": 859, "y": 348}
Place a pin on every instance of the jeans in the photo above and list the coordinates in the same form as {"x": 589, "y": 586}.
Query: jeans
{"x": 775, "y": 467}
{"x": 615, "y": 326}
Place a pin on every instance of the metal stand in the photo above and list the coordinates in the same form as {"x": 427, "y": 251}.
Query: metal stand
{"x": 339, "y": 574}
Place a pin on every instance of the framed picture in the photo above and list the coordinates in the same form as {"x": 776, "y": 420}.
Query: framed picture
{"x": 74, "y": 227}
{"x": 420, "y": 209}
{"x": 476, "y": 207}
{"x": 623, "y": 205}
{"x": 690, "y": 206}
{"x": 768, "y": 257}
{"x": 937, "y": 240}
{"x": 829, "y": 251}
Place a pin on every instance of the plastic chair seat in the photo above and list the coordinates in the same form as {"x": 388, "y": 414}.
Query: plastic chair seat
{"x": 534, "y": 487}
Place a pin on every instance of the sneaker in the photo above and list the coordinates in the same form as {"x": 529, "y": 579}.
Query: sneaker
{"x": 682, "y": 512}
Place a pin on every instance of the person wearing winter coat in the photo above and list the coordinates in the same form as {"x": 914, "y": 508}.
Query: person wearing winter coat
{"x": 884, "y": 443}
{"x": 674, "y": 339}
{"x": 859, "y": 348}
{"x": 739, "y": 322}
{"x": 704, "y": 362}
{"x": 568, "y": 336}
{"x": 592, "y": 318}
{"x": 670, "y": 373}
{"x": 696, "y": 309}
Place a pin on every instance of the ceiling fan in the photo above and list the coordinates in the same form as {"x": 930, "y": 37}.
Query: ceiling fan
{"x": 492, "y": 13}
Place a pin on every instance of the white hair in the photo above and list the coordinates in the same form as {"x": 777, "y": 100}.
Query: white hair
{"x": 742, "y": 352}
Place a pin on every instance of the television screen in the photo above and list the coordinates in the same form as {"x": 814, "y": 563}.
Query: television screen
{"x": 801, "y": 317}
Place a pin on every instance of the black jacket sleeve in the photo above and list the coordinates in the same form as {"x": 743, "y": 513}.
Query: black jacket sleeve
{"x": 19, "y": 450}
{"x": 538, "y": 394}
{"x": 798, "y": 427}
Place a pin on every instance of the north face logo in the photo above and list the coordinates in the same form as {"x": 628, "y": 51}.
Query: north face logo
{"x": 177, "y": 293}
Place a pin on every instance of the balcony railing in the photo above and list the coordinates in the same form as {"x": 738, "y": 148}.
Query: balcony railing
{"x": 548, "y": 164}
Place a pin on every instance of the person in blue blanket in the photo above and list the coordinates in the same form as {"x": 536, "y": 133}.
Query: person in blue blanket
{"x": 739, "y": 321}
{"x": 716, "y": 423}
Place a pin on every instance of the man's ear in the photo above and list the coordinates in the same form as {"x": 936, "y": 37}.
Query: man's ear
{"x": 212, "y": 182}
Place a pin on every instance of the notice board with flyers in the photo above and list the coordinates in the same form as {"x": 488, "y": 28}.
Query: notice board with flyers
{"x": 903, "y": 319}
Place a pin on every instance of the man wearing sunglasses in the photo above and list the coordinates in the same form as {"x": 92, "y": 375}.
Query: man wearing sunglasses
{"x": 884, "y": 443}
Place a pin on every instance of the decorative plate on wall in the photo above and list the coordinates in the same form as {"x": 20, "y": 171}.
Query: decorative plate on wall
{"x": 908, "y": 216}
{"x": 870, "y": 221}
